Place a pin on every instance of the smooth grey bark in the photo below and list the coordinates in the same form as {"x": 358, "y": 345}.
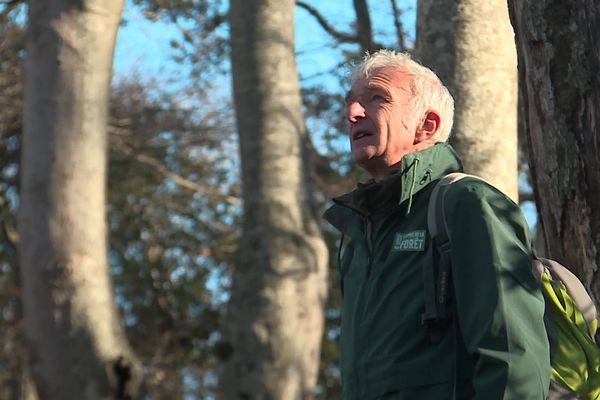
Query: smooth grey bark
{"x": 470, "y": 45}
{"x": 559, "y": 58}
{"x": 78, "y": 349}
{"x": 276, "y": 311}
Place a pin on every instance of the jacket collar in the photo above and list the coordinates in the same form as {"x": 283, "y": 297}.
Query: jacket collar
{"x": 416, "y": 171}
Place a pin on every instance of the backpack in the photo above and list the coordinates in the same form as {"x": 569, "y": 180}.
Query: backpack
{"x": 570, "y": 315}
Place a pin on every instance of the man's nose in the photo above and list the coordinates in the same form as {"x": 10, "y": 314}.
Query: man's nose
{"x": 355, "y": 111}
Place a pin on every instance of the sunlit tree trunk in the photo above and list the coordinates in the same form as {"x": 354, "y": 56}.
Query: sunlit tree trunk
{"x": 78, "y": 348}
{"x": 27, "y": 387}
{"x": 559, "y": 60}
{"x": 470, "y": 44}
{"x": 275, "y": 315}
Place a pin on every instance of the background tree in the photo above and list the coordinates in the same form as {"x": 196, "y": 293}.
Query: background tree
{"x": 454, "y": 40}
{"x": 559, "y": 57}
{"x": 275, "y": 314}
{"x": 169, "y": 232}
{"x": 172, "y": 208}
{"x": 12, "y": 355}
{"x": 78, "y": 348}
{"x": 435, "y": 38}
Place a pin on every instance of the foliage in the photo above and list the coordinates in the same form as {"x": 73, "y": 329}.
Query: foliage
{"x": 12, "y": 40}
{"x": 170, "y": 233}
{"x": 203, "y": 45}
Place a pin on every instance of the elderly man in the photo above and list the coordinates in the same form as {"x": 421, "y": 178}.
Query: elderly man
{"x": 495, "y": 345}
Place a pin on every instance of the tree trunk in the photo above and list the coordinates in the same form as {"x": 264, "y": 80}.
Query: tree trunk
{"x": 559, "y": 59}
{"x": 470, "y": 44}
{"x": 275, "y": 315}
{"x": 435, "y": 42}
{"x": 78, "y": 348}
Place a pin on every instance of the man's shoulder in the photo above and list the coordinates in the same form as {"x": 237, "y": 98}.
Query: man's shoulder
{"x": 474, "y": 188}
{"x": 472, "y": 199}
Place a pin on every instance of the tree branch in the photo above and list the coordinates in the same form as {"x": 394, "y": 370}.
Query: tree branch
{"x": 341, "y": 36}
{"x": 178, "y": 179}
{"x": 363, "y": 25}
{"x": 396, "y": 13}
{"x": 181, "y": 181}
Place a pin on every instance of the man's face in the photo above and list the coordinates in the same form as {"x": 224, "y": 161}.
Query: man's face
{"x": 381, "y": 127}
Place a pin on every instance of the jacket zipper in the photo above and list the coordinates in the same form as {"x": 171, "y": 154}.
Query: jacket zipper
{"x": 369, "y": 240}
{"x": 368, "y": 237}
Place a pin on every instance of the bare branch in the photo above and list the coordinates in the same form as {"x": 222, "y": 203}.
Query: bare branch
{"x": 341, "y": 36}
{"x": 181, "y": 181}
{"x": 363, "y": 25}
{"x": 397, "y": 14}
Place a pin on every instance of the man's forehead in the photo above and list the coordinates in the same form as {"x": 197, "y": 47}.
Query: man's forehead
{"x": 393, "y": 75}
{"x": 363, "y": 84}
{"x": 379, "y": 78}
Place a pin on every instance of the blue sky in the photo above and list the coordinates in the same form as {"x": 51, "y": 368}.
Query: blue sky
{"x": 143, "y": 46}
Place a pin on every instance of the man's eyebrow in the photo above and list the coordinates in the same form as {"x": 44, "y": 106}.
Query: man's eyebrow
{"x": 375, "y": 86}
{"x": 370, "y": 87}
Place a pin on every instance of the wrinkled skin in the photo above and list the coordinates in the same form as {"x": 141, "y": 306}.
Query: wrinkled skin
{"x": 382, "y": 126}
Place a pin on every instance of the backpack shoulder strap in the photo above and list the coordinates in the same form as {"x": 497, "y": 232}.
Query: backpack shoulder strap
{"x": 436, "y": 222}
{"x": 437, "y": 267}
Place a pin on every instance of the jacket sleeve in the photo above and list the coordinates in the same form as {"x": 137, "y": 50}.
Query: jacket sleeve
{"x": 499, "y": 304}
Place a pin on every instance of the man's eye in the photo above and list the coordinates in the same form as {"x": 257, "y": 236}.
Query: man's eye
{"x": 378, "y": 97}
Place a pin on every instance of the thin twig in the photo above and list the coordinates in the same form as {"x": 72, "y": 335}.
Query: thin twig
{"x": 181, "y": 181}
{"x": 341, "y": 36}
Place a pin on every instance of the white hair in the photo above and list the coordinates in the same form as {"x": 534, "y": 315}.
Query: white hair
{"x": 429, "y": 93}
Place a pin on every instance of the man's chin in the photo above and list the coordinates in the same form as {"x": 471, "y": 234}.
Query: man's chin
{"x": 363, "y": 156}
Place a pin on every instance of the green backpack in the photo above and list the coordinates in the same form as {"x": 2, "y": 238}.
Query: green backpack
{"x": 570, "y": 315}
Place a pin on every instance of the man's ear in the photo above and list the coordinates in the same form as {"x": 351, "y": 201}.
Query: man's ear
{"x": 428, "y": 127}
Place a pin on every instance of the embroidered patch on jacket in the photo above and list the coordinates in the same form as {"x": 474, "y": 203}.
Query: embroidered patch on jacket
{"x": 410, "y": 241}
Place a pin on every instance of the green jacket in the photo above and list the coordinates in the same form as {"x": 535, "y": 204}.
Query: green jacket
{"x": 502, "y": 350}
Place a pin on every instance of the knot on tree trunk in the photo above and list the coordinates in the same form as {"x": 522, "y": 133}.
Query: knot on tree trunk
{"x": 125, "y": 378}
